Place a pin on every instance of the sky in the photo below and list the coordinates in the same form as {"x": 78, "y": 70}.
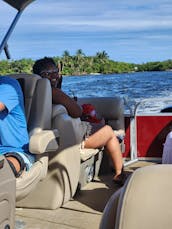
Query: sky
{"x": 134, "y": 31}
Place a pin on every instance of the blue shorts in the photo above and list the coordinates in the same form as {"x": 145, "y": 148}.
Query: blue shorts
{"x": 28, "y": 158}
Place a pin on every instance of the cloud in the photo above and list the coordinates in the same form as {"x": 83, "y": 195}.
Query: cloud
{"x": 92, "y": 25}
{"x": 99, "y": 15}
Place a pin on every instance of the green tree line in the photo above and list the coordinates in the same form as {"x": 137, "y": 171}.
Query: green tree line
{"x": 80, "y": 64}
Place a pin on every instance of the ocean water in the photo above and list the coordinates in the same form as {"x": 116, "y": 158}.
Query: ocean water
{"x": 151, "y": 90}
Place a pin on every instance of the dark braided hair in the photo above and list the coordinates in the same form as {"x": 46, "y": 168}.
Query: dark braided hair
{"x": 41, "y": 64}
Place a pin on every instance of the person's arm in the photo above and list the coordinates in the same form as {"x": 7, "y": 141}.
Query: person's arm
{"x": 2, "y": 106}
{"x": 59, "y": 97}
{"x": 13, "y": 162}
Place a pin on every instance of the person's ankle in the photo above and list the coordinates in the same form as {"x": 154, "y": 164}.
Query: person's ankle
{"x": 117, "y": 174}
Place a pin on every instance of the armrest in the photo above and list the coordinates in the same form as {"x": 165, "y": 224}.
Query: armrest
{"x": 71, "y": 130}
{"x": 44, "y": 141}
{"x": 58, "y": 110}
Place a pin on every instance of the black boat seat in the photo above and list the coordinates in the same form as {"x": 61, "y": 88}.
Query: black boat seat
{"x": 143, "y": 202}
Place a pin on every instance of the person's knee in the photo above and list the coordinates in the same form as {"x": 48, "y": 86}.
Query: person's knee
{"x": 109, "y": 130}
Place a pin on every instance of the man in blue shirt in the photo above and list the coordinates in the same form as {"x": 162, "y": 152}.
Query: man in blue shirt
{"x": 13, "y": 128}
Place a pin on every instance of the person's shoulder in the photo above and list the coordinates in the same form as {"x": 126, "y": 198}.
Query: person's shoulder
{"x": 7, "y": 79}
{"x": 9, "y": 83}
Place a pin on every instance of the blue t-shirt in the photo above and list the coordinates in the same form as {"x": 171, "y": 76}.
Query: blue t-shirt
{"x": 13, "y": 127}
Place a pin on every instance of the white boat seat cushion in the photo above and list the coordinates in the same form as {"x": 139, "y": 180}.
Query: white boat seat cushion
{"x": 143, "y": 202}
{"x": 45, "y": 141}
{"x": 7, "y": 195}
{"x": 78, "y": 130}
{"x": 87, "y": 153}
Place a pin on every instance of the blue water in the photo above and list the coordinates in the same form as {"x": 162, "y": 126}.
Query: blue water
{"x": 155, "y": 87}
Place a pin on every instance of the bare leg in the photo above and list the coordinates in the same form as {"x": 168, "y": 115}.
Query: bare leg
{"x": 106, "y": 137}
{"x": 15, "y": 162}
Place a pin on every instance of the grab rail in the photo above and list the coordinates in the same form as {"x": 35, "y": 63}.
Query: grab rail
{"x": 133, "y": 124}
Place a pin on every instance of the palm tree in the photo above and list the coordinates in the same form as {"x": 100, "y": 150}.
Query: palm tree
{"x": 79, "y": 53}
{"x": 66, "y": 54}
{"x": 102, "y": 55}
{"x": 67, "y": 59}
{"x": 79, "y": 61}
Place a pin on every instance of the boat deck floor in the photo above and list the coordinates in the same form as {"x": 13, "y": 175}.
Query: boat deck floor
{"x": 83, "y": 211}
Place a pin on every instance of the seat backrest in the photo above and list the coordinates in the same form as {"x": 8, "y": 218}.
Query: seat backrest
{"x": 37, "y": 97}
{"x": 110, "y": 108}
{"x": 143, "y": 202}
